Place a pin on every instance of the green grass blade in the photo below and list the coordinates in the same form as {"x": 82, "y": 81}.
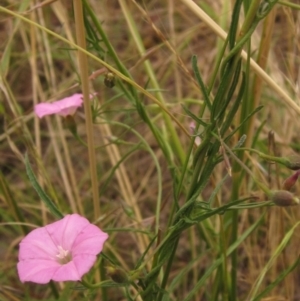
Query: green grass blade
{"x": 266, "y": 268}
{"x": 220, "y": 260}
{"x": 277, "y": 280}
{"x": 44, "y": 197}
{"x": 201, "y": 83}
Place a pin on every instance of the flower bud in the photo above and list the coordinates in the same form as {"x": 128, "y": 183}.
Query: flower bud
{"x": 290, "y": 181}
{"x": 284, "y": 198}
{"x": 118, "y": 275}
{"x": 291, "y": 162}
{"x": 109, "y": 80}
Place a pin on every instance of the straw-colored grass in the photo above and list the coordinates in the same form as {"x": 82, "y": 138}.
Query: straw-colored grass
{"x": 135, "y": 173}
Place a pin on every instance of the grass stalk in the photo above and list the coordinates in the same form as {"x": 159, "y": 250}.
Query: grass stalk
{"x": 254, "y": 66}
{"x": 37, "y": 129}
{"x": 83, "y": 70}
{"x": 248, "y": 23}
{"x": 125, "y": 185}
{"x": 175, "y": 223}
{"x": 138, "y": 42}
{"x": 262, "y": 58}
{"x": 109, "y": 67}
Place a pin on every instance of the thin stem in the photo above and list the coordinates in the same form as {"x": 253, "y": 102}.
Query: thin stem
{"x": 254, "y": 66}
{"x": 246, "y": 30}
{"x": 83, "y": 63}
{"x": 241, "y": 164}
{"x": 103, "y": 63}
{"x": 174, "y": 139}
{"x": 289, "y": 4}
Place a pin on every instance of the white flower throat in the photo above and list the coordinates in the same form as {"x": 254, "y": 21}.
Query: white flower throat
{"x": 63, "y": 256}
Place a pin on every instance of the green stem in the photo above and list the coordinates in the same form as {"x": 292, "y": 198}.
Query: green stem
{"x": 95, "y": 285}
{"x": 132, "y": 94}
{"x": 168, "y": 270}
{"x": 289, "y": 4}
{"x": 251, "y": 15}
{"x": 174, "y": 139}
{"x": 246, "y": 30}
{"x": 104, "y": 296}
{"x": 54, "y": 290}
{"x": 103, "y": 63}
{"x": 292, "y": 162}
{"x": 242, "y": 165}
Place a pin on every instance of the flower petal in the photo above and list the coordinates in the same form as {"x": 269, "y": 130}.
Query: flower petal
{"x": 69, "y": 104}
{"x": 43, "y": 109}
{"x": 65, "y": 231}
{"x": 37, "y": 270}
{"x": 63, "y": 107}
{"x": 37, "y": 245}
{"x": 89, "y": 241}
{"x": 84, "y": 262}
{"x": 67, "y": 272}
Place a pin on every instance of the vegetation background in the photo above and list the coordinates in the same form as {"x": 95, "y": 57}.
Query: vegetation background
{"x": 143, "y": 156}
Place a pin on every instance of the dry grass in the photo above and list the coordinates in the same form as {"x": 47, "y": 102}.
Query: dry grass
{"x": 37, "y": 67}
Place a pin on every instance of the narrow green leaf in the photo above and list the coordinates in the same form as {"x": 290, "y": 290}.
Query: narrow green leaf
{"x": 12, "y": 204}
{"x": 140, "y": 261}
{"x": 182, "y": 275}
{"x": 112, "y": 172}
{"x": 219, "y": 261}
{"x": 217, "y": 189}
{"x": 200, "y": 82}
{"x": 230, "y": 93}
{"x": 277, "y": 280}
{"x": 193, "y": 116}
{"x": 269, "y": 264}
{"x": 234, "y": 108}
{"x": 238, "y": 127}
{"x": 44, "y": 197}
{"x": 234, "y": 23}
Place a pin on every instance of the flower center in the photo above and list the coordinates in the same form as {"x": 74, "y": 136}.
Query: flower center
{"x": 63, "y": 256}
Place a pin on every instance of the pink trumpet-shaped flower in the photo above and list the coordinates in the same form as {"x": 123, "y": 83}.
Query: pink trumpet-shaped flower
{"x": 62, "y": 251}
{"x": 63, "y": 107}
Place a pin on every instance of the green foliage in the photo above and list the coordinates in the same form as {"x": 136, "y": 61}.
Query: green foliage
{"x": 177, "y": 213}
{"x": 44, "y": 197}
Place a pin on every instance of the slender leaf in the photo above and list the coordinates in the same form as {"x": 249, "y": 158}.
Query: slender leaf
{"x": 44, "y": 197}
{"x": 201, "y": 83}
{"x": 277, "y": 280}
{"x": 198, "y": 120}
{"x": 269, "y": 264}
{"x": 220, "y": 260}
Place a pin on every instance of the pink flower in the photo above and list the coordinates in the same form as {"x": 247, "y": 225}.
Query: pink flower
{"x": 62, "y": 251}
{"x": 63, "y": 107}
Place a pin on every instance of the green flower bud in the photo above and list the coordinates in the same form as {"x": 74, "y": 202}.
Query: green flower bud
{"x": 291, "y": 162}
{"x": 118, "y": 275}
{"x": 109, "y": 80}
{"x": 284, "y": 198}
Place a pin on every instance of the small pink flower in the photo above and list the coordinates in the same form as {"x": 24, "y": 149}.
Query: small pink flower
{"x": 63, "y": 107}
{"x": 62, "y": 251}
